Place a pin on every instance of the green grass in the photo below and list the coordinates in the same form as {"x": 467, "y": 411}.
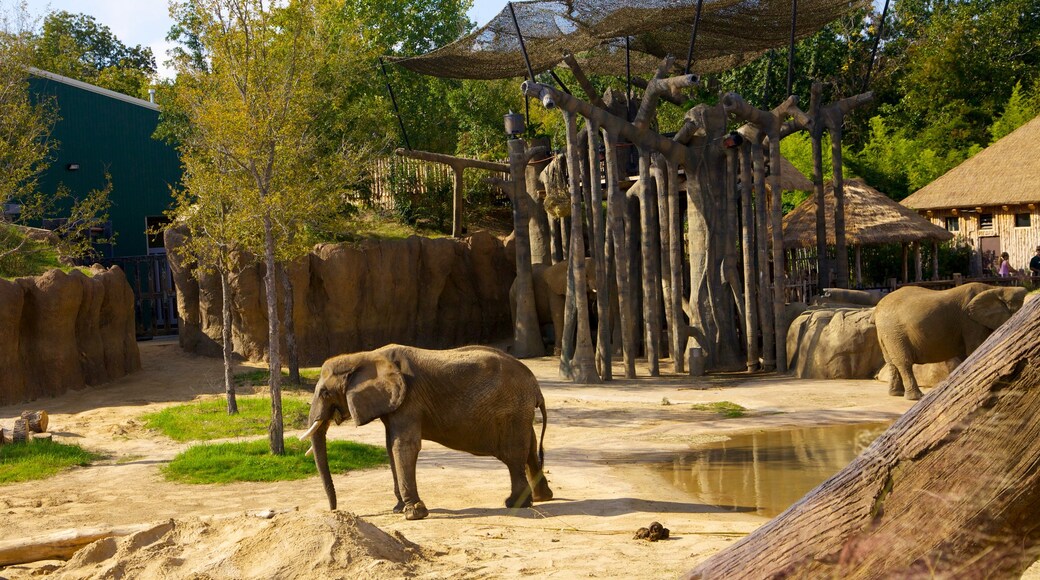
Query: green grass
{"x": 252, "y": 461}
{"x": 262, "y": 376}
{"x": 725, "y": 408}
{"x": 208, "y": 419}
{"x": 39, "y": 460}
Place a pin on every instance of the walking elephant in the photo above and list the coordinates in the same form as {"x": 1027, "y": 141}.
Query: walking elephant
{"x": 474, "y": 399}
{"x": 918, "y": 326}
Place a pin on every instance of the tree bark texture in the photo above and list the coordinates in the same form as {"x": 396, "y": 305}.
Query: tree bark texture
{"x": 816, "y": 136}
{"x": 541, "y": 245}
{"x": 583, "y": 365}
{"x": 651, "y": 279}
{"x": 527, "y": 336}
{"x": 675, "y": 253}
{"x": 227, "y": 346}
{"x": 36, "y": 421}
{"x": 616, "y": 211}
{"x": 63, "y": 545}
{"x": 276, "y": 428}
{"x": 292, "y": 353}
{"x": 660, "y": 172}
{"x": 603, "y": 328}
{"x": 747, "y": 246}
{"x": 951, "y": 490}
{"x": 765, "y": 303}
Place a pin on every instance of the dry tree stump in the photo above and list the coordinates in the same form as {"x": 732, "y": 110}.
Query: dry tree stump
{"x": 21, "y": 431}
{"x": 3, "y": 439}
{"x": 37, "y": 420}
{"x": 42, "y": 437}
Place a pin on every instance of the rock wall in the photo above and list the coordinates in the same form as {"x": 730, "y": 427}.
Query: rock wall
{"x": 65, "y": 331}
{"x": 433, "y": 293}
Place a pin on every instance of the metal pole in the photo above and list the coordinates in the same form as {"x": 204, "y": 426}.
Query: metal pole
{"x": 877, "y": 41}
{"x": 393, "y": 100}
{"x": 790, "y": 51}
{"x": 523, "y": 47}
{"x": 769, "y": 74}
{"x": 693, "y": 37}
{"x": 559, "y": 81}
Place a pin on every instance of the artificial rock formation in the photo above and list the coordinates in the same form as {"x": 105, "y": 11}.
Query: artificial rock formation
{"x": 65, "y": 331}
{"x": 433, "y": 293}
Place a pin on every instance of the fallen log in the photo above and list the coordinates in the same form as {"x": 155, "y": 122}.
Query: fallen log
{"x": 37, "y": 420}
{"x": 62, "y": 545}
{"x": 950, "y": 490}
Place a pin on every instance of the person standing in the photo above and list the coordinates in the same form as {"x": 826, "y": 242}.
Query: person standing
{"x": 1004, "y": 269}
{"x": 1034, "y": 263}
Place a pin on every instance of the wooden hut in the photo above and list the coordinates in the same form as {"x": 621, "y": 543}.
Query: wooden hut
{"x": 871, "y": 218}
{"x": 991, "y": 200}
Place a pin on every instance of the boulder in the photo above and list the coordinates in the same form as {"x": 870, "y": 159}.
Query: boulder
{"x": 834, "y": 343}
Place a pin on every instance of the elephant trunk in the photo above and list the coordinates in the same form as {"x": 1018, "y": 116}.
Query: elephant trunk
{"x": 321, "y": 461}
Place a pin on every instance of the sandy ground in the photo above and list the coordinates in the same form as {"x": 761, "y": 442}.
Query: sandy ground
{"x": 587, "y": 531}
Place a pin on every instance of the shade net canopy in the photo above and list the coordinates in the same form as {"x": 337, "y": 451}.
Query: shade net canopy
{"x": 730, "y": 33}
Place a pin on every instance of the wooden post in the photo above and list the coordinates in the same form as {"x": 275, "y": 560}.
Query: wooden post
{"x": 527, "y": 335}
{"x": 765, "y": 305}
{"x": 935, "y": 260}
{"x": 456, "y": 203}
{"x": 859, "y": 265}
{"x": 659, "y": 168}
{"x": 603, "y": 362}
{"x": 675, "y": 243}
{"x": 651, "y": 267}
{"x": 616, "y": 211}
{"x": 906, "y": 263}
{"x": 816, "y": 135}
{"x": 747, "y": 223}
{"x": 918, "y": 266}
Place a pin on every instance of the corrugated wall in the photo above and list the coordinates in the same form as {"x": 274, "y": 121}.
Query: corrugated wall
{"x": 101, "y": 133}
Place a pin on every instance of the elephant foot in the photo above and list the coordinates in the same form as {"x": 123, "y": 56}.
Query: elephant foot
{"x": 522, "y": 502}
{"x": 542, "y": 493}
{"x": 913, "y": 395}
{"x": 416, "y": 511}
{"x": 895, "y": 391}
{"x": 399, "y": 508}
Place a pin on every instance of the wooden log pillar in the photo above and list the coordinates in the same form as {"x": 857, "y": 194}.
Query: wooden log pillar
{"x": 21, "y": 431}
{"x": 859, "y": 265}
{"x": 918, "y": 266}
{"x": 649, "y": 246}
{"x": 776, "y": 218}
{"x": 816, "y": 135}
{"x": 457, "y": 202}
{"x": 36, "y": 420}
{"x": 617, "y": 211}
{"x": 527, "y": 335}
{"x": 659, "y": 168}
{"x": 675, "y": 241}
{"x": 599, "y": 256}
{"x": 935, "y": 260}
{"x": 906, "y": 263}
{"x": 950, "y": 490}
{"x": 765, "y": 304}
{"x": 747, "y": 227}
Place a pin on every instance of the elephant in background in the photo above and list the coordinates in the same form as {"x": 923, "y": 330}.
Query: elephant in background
{"x": 475, "y": 399}
{"x": 919, "y": 326}
{"x": 550, "y": 295}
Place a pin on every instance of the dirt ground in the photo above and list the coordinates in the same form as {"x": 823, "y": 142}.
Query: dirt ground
{"x": 587, "y": 531}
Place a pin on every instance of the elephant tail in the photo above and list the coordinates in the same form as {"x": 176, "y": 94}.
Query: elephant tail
{"x": 545, "y": 422}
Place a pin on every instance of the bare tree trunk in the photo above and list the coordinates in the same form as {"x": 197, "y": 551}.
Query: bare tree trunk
{"x": 651, "y": 267}
{"x": 617, "y": 209}
{"x": 276, "y": 429}
{"x": 730, "y": 236}
{"x": 584, "y": 363}
{"x": 527, "y": 335}
{"x": 747, "y": 220}
{"x": 603, "y": 350}
{"x": 765, "y": 304}
{"x": 779, "y": 274}
{"x": 225, "y": 335}
{"x": 816, "y": 135}
{"x": 676, "y": 268}
{"x": 660, "y": 171}
{"x": 557, "y": 239}
{"x": 292, "y": 356}
{"x": 951, "y": 490}
{"x": 841, "y": 252}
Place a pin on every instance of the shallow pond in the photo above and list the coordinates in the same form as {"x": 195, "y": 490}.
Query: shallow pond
{"x": 767, "y": 472}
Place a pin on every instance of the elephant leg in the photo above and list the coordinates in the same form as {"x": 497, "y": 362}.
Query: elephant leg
{"x": 405, "y": 447}
{"x": 515, "y": 456}
{"x": 535, "y": 475}
{"x": 913, "y": 392}
{"x": 895, "y": 382}
{"x": 556, "y": 305}
{"x": 521, "y": 494}
{"x": 399, "y": 507}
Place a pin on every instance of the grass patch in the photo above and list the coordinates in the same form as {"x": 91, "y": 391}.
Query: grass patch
{"x": 39, "y": 460}
{"x": 252, "y": 461}
{"x": 257, "y": 377}
{"x": 725, "y": 408}
{"x": 208, "y": 419}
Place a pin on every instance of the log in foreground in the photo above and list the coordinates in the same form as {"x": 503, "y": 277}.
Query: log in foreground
{"x": 62, "y": 545}
{"x": 952, "y": 489}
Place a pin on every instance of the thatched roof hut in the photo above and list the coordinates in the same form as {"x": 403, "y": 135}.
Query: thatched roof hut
{"x": 791, "y": 178}
{"x": 871, "y": 218}
{"x": 1005, "y": 173}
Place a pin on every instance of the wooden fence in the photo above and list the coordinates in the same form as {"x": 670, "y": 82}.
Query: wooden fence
{"x": 393, "y": 178}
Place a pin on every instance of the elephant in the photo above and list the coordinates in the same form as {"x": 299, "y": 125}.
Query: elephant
{"x": 919, "y": 326}
{"x": 550, "y": 294}
{"x": 475, "y": 399}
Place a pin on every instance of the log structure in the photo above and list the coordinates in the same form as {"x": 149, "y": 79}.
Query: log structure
{"x": 36, "y": 420}
{"x": 951, "y": 490}
{"x": 21, "y": 431}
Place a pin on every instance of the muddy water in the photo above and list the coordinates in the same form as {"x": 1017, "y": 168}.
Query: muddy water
{"x": 767, "y": 472}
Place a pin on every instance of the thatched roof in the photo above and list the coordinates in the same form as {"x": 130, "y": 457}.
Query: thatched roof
{"x": 1005, "y": 173}
{"x": 791, "y": 178}
{"x": 870, "y": 218}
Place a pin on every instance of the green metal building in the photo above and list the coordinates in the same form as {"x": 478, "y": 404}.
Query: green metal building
{"x": 101, "y": 130}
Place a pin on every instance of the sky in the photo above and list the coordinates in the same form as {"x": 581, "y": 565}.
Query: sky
{"x": 146, "y": 22}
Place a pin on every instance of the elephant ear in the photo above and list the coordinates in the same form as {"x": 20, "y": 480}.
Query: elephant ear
{"x": 376, "y": 387}
{"x": 989, "y": 309}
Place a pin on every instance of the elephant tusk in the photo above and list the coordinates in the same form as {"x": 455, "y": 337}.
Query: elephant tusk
{"x": 309, "y": 432}
{"x": 310, "y": 451}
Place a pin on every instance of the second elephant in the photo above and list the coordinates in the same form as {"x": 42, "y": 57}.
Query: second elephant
{"x": 550, "y": 295}
{"x": 919, "y": 326}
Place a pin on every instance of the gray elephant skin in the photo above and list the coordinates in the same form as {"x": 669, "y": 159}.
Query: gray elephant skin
{"x": 919, "y": 326}
{"x": 475, "y": 399}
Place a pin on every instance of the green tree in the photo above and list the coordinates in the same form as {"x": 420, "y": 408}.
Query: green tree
{"x": 77, "y": 46}
{"x": 26, "y": 150}
{"x": 1021, "y": 108}
{"x": 250, "y": 140}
